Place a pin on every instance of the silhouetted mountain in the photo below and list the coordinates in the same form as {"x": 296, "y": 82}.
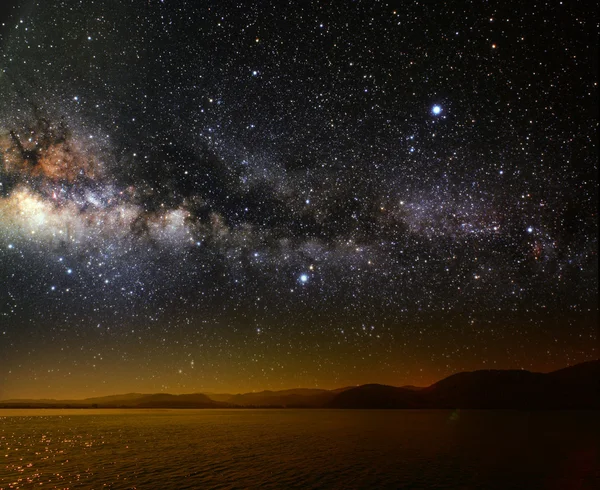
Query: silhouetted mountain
{"x": 299, "y": 397}
{"x": 485, "y": 389}
{"x": 296, "y": 397}
{"x": 126, "y": 398}
{"x": 111, "y": 400}
{"x": 583, "y": 374}
{"x": 377, "y": 396}
{"x": 164, "y": 400}
{"x": 575, "y": 387}
{"x": 578, "y": 385}
{"x": 131, "y": 400}
{"x": 341, "y": 390}
{"x": 218, "y": 397}
{"x": 412, "y": 388}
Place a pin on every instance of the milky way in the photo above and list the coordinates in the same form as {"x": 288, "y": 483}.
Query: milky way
{"x": 214, "y": 195}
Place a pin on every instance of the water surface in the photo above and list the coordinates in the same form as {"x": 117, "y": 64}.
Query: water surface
{"x": 345, "y": 449}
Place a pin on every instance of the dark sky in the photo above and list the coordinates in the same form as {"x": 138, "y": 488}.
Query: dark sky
{"x": 222, "y": 196}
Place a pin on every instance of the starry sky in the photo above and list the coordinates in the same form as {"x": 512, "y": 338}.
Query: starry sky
{"x": 231, "y": 196}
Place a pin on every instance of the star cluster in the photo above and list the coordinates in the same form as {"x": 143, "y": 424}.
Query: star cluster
{"x": 237, "y": 196}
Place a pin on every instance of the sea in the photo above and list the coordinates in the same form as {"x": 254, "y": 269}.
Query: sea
{"x": 295, "y": 448}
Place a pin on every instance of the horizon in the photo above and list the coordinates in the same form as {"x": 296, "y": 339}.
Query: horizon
{"x": 234, "y": 392}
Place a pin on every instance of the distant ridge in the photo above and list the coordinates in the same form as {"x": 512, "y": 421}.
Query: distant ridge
{"x": 574, "y": 387}
{"x": 131, "y": 400}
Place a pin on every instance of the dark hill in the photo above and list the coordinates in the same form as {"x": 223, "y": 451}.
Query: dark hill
{"x": 377, "y": 396}
{"x": 301, "y": 398}
{"x": 297, "y": 397}
{"x": 485, "y": 389}
{"x": 131, "y": 400}
{"x": 164, "y": 400}
{"x": 574, "y": 387}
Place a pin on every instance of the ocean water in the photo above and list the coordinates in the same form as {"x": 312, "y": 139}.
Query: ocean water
{"x": 344, "y": 449}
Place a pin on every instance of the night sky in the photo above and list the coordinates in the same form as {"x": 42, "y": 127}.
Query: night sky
{"x": 233, "y": 196}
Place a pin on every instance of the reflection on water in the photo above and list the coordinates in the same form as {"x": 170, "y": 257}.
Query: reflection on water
{"x": 299, "y": 449}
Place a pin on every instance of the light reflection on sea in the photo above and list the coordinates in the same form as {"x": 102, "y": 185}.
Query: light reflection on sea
{"x": 164, "y": 449}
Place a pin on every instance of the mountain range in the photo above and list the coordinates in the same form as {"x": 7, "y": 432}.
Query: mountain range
{"x": 574, "y": 387}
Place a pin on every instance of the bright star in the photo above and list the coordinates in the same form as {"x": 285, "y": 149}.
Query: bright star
{"x": 436, "y": 109}
{"x": 304, "y": 278}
